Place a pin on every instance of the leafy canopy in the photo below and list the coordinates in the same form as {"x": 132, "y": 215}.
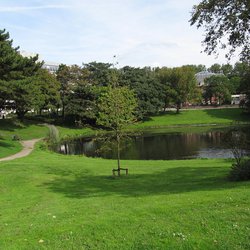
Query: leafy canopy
{"x": 227, "y": 25}
{"x": 116, "y": 108}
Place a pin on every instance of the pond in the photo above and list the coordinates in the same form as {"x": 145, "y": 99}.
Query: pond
{"x": 160, "y": 145}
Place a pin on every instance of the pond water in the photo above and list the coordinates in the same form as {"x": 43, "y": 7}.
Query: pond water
{"x": 212, "y": 143}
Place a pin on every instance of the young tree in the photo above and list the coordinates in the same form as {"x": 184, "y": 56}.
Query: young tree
{"x": 116, "y": 111}
{"x": 224, "y": 19}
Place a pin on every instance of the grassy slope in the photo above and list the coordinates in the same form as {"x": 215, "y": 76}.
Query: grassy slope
{"x": 169, "y": 122}
{"x": 71, "y": 202}
{"x": 25, "y": 130}
{"x": 191, "y": 117}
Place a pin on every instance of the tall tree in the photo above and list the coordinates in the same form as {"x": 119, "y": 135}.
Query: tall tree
{"x": 49, "y": 89}
{"x": 215, "y": 68}
{"x": 82, "y": 98}
{"x": 164, "y": 76}
{"x": 183, "y": 83}
{"x": 64, "y": 77}
{"x": 224, "y": 19}
{"x": 100, "y": 73}
{"x": 218, "y": 87}
{"x": 17, "y": 74}
{"x": 147, "y": 88}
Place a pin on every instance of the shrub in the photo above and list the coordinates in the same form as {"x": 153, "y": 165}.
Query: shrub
{"x": 241, "y": 171}
{"x": 53, "y": 135}
{"x": 16, "y": 138}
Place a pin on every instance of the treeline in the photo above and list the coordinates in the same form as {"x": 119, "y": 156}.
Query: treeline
{"x": 74, "y": 91}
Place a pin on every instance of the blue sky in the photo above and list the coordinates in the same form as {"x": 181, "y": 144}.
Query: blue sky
{"x": 139, "y": 32}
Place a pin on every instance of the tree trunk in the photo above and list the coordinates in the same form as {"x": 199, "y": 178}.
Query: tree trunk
{"x": 118, "y": 154}
{"x": 20, "y": 114}
{"x": 178, "y": 106}
{"x": 165, "y": 104}
{"x": 63, "y": 113}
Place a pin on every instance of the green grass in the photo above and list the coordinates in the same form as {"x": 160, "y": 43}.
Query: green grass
{"x": 72, "y": 202}
{"x": 24, "y": 130}
{"x": 66, "y": 132}
{"x": 186, "y": 121}
{"x": 9, "y": 147}
{"x": 52, "y": 201}
{"x": 196, "y": 117}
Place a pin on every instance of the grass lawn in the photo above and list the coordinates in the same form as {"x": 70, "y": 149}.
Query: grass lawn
{"x": 194, "y": 117}
{"x": 24, "y": 130}
{"x": 52, "y": 201}
{"x": 172, "y": 122}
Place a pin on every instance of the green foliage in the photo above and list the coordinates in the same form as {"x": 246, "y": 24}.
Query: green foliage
{"x": 240, "y": 171}
{"x": 215, "y": 68}
{"x": 147, "y": 88}
{"x": 81, "y": 105}
{"x": 116, "y": 111}
{"x": 179, "y": 85}
{"x": 53, "y": 134}
{"x": 224, "y": 19}
{"x": 116, "y": 108}
{"x": 64, "y": 77}
{"x": 100, "y": 73}
{"x": 47, "y": 91}
{"x": 217, "y": 86}
{"x": 16, "y": 76}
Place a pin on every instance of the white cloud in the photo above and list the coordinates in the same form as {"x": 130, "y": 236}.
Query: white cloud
{"x": 139, "y": 32}
{"x": 30, "y": 8}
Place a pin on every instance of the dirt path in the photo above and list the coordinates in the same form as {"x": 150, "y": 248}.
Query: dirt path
{"x": 28, "y": 146}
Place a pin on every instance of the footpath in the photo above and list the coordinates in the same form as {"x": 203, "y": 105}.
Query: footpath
{"x": 28, "y": 146}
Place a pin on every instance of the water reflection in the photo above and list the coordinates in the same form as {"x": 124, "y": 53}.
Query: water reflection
{"x": 157, "y": 146}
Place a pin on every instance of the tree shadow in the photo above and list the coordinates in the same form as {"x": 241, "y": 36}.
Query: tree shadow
{"x": 6, "y": 144}
{"x": 171, "y": 181}
{"x": 230, "y": 113}
{"x": 11, "y": 125}
{"x": 169, "y": 113}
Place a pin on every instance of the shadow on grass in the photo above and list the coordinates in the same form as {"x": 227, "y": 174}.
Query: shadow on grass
{"x": 171, "y": 181}
{"x": 11, "y": 124}
{"x": 6, "y": 144}
{"x": 231, "y": 113}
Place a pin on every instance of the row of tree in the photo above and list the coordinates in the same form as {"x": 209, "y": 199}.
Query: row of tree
{"x": 74, "y": 91}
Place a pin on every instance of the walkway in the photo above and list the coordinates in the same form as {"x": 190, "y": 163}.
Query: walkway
{"x": 28, "y": 146}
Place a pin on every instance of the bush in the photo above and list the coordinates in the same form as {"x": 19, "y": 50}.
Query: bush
{"x": 241, "y": 171}
{"x": 16, "y": 138}
{"x": 53, "y": 135}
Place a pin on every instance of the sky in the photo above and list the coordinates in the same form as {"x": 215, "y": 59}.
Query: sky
{"x": 138, "y": 32}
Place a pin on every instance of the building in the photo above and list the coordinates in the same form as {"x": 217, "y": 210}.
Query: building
{"x": 52, "y": 67}
{"x": 236, "y": 99}
{"x": 201, "y": 76}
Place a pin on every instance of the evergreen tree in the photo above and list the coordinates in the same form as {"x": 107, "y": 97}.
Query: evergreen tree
{"x": 17, "y": 73}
